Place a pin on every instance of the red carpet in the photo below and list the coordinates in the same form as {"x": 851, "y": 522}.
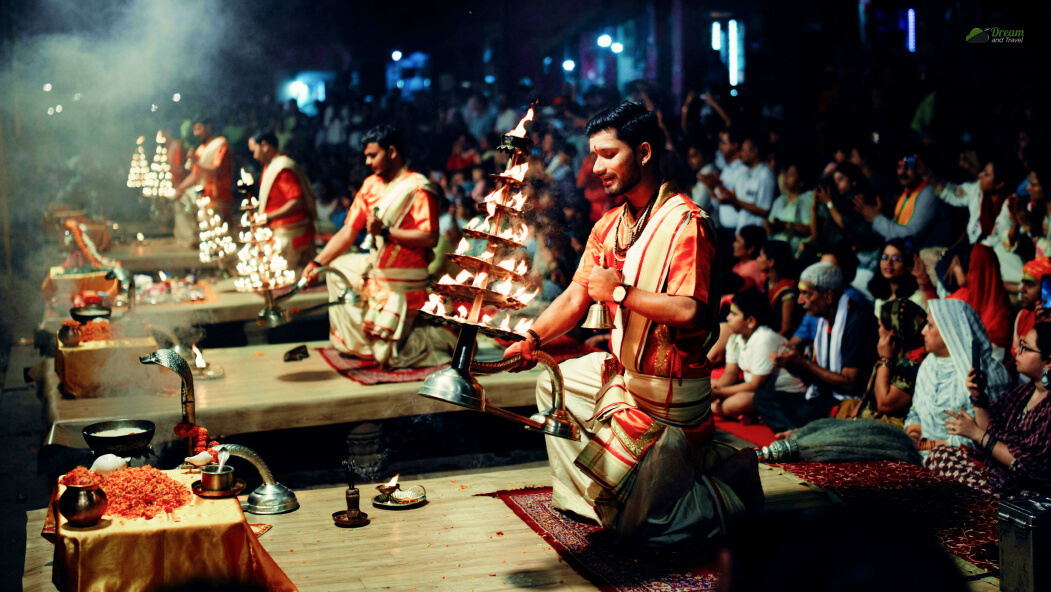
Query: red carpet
{"x": 757, "y": 433}
{"x": 369, "y": 372}
{"x": 610, "y": 564}
{"x": 964, "y": 520}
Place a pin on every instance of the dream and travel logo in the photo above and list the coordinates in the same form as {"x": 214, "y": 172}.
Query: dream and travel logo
{"x": 995, "y": 35}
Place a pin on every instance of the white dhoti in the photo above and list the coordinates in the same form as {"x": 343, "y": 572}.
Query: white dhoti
{"x": 379, "y": 325}
{"x": 671, "y": 499}
{"x": 187, "y": 229}
{"x": 297, "y": 257}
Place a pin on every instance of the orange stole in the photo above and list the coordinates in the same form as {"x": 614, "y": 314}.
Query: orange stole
{"x": 907, "y": 204}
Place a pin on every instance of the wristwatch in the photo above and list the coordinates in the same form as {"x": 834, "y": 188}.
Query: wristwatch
{"x": 620, "y": 293}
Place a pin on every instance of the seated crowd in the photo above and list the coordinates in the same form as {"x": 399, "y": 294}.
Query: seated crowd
{"x": 914, "y": 303}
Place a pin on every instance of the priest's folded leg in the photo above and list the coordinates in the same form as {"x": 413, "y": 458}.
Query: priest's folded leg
{"x": 670, "y": 499}
{"x": 380, "y": 326}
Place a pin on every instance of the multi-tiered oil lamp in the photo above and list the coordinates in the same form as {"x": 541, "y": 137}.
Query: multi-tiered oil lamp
{"x": 485, "y": 284}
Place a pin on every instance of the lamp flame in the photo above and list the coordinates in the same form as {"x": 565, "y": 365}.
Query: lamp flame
{"x": 463, "y": 247}
{"x": 520, "y": 131}
{"x": 246, "y": 177}
{"x": 198, "y": 358}
{"x": 523, "y": 326}
{"x": 461, "y": 311}
{"x": 393, "y": 481}
{"x": 463, "y": 277}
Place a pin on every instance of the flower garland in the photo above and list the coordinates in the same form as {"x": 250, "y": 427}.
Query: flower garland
{"x": 200, "y": 436}
{"x": 87, "y": 246}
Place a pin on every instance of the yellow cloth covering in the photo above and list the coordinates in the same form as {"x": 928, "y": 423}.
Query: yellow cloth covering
{"x": 205, "y": 539}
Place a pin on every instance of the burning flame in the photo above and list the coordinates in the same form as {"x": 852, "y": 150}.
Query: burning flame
{"x": 523, "y": 267}
{"x": 489, "y": 254}
{"x": 463, "y": 277}
{"x": 471, "y": 223}
{"x": 163, "y": 276}
{"x": 503, "y": 287}
{"x": 198, "y": 359}
{"x": 523, "y": 325}
{"x": 520, "y": 131}
{"x": 486, "y": 319}
{"x": 461, "y": 311}
{"x": 446, "y": 280}
{"x": 517, "y": 201}
{"x": 523, "y": 297}
{"x": 463, "y": 247}
{"x": 140, "y": 236}
{"x": 506, "y": 325}
{"x": 393, "y": 481}
{"x": 140, "y": 140}
{"x": 246, "y": 177}
{"x": 434, "y": 305}
{"x": 160, "y": 137}
{"x": 518, "y": 172}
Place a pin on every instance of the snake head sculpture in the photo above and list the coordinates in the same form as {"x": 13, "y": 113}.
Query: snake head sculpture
{"x": 171, "y": 360}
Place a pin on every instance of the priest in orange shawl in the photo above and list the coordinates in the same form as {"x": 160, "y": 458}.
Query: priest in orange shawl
{"x": 212, "y": 169}
{"x": 398, "y": 209}
{"x": 286, "y": 199}
{"x": 646, "y": 467}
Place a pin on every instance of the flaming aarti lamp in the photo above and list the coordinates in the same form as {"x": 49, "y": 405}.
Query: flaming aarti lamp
{"x": 262, "y": 268}
{"x": 485, "y": 284}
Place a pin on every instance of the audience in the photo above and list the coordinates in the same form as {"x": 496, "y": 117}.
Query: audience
{"x": 749, "y": 351}
{"x": 1012, "y": 431}
{"x": 746, "y": 247}
{"x": 983, "y": 289}
{"x": 789, "y": 218}
{"x": 895, "y": 277}
{"x": 953, "y": 328}
{"x": 844, "y": 351}
{"x": 776, "y": 261}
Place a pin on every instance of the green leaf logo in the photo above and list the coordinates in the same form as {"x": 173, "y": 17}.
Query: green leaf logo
{"x": 978, "y": 36}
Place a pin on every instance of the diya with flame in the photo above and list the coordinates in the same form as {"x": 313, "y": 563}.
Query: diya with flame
{"x": 493, "y": 280}
{"x": 203, "y": 370}
{"x": 260, "y": 264}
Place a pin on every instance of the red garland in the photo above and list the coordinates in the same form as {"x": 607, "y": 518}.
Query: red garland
{"x": 200, "y": 436}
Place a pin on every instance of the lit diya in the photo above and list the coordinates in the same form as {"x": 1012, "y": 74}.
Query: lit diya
{"x": 392, "y": 497}
{"x": 203, "y": 370}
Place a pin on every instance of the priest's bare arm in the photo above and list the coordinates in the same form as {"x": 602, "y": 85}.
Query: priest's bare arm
{"x": 559, "y": 317}
{"x": 339, "y": 244}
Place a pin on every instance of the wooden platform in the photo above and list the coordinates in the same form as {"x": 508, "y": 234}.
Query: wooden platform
{"x": 455, "y": 542}
{"x": 261, "y": 392}
{"x": 230, "y": 306}
{"x": 154, "y": 254}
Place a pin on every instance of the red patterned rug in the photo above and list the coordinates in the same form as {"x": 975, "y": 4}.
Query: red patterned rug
{"x": 369, "y": 372}
{"x": 610, "y": 564}
{"x": 964, "y": 520}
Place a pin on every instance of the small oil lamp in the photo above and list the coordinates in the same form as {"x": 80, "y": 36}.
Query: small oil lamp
{"x": 203, "y": 370}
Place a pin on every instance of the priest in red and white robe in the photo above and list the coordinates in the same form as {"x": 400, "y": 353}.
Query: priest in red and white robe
{"x": 286, "y": 199}
{"x": 645, "y": 467}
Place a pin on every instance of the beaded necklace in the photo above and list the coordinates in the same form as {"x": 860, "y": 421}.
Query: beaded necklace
{"x": 636, "y": 230}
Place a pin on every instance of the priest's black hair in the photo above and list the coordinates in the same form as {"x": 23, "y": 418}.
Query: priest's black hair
{"x": 633, "y": 123}
{"x": 386, "y": 136}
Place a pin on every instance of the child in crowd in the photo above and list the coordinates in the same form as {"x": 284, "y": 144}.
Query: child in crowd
{"x": 749, "y": 351}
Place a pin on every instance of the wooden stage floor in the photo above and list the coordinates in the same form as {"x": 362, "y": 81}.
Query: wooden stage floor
{"x": 449, "y": 544}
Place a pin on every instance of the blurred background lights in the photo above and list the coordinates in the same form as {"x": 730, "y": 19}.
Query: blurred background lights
{"x": 616, "y": 48}
{"x": 395, "y": 55}
{"x": 50, "y": 110}
{"x": 604, "y": 40}
{"x": 47, "y": 87}
{"x": 177, "y": 97}
{"x": 568, "y": 65}
{"x": 58, "y": 108}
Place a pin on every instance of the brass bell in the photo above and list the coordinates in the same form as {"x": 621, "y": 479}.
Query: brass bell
{"x": 599, "y": 318}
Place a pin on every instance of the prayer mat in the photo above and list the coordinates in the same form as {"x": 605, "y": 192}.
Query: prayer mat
{"x": 757, "y": 433}
{"x": 964, "y": 520}
{"x": 368, "y": 372}
{"x": 607, "y": 562}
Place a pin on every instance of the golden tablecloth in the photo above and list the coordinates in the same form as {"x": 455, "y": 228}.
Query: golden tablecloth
{"x": 203, "y": 540}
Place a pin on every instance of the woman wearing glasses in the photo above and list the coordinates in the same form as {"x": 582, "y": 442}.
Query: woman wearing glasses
{"x": 1013, "y": 431}
{"x": 900, "y": 276}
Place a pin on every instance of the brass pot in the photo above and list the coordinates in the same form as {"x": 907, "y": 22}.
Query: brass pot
{"x": 69, "y": 336}
{"x": 82, "y": 505}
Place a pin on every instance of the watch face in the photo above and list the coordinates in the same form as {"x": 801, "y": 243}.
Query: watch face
{"x": 619, "y": 293}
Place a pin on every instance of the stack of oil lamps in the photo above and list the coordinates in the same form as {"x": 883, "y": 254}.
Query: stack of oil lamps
{"x": 260, "y": 265}
{"x": 475, "y": 299}
{"x": 215, "y": 243}
{"x": 158, "y": 181}
{"x": 139, "y": 167}
{"x": 469, "y": 299}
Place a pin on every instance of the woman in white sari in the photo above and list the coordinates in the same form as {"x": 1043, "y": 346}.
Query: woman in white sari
{"x": 941, "y": 383}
